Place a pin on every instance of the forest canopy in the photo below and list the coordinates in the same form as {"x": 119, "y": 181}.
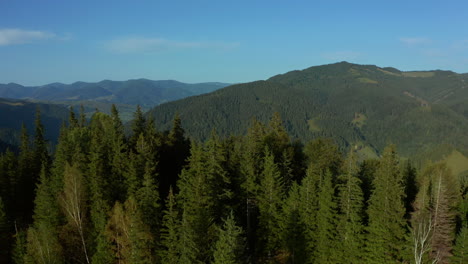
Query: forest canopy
{"x": 159, "y": 197}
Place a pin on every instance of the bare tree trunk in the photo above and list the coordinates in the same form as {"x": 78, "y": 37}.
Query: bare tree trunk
{"x": 73, "y": 202}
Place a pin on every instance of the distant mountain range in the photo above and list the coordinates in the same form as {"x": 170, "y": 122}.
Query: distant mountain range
{"x": 101, "y": 95}
{"x": 18, "y": 103}
{"x": 141, "y": 91}
{"x": 360, "y": 106}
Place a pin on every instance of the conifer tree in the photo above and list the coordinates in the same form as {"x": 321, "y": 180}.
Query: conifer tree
{"x": 42, "y": 238}
{"x": 72, "y": 118}
{"x": 308, "y": 192}
{"x": 229, "y": 246}
{"x": 169, "y": 234}
{"x": 188, "y": 249}
{"x": 326, "y": 237}
{"x": 173, "y": 156}
{"x": 118, "y": 156}
{"x": 130, "y": 238}
{"x": 148, "y": 198}
{"x": 269, "y": 204}
{"x": 100, "y": 185}
{"x": 350, "y": 203}
{"x": 141, "y": 239}
{"x": 41, "y": 154}
{"x": 138, "y": 126}
{"x": 195, "y": 201}
{"x": 387, "y": 225}
{"x": 18, "y": 253}
{"x": 218, "y": 177}
{"x": 460, "y": 249}
{"x": 293, "y": 231}
{"x": 445, "y": 195}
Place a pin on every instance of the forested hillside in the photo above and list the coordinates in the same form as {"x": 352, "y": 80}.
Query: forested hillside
{"x": 16, "y": 113}
{"x": 360, "y": 106}
{"x": 258, "y": 197}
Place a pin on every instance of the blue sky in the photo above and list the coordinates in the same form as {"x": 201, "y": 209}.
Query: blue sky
{"x": 228, "y": 41}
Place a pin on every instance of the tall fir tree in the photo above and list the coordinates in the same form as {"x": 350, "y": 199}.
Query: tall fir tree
{"x": 138, "y": 127}
{"x": 387, "y": 227}
{"x": 269, "y": 202}
{"x": 350, "y": 203}
{"x": 196, "y": 203}
{"x": 326, "y": 236}
{"x": 169, "y": 234}
{"x": 444, "y": 199}
{"x": 292, "y": 228}
{"x": 229, "y": 247}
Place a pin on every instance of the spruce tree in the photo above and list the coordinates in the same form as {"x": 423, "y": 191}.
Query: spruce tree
{"x": 293, "y": 231}
{"x": 19, "y": 253}
{"x": 138, "y": 127}
{"x": 350, "y": 204}
{"x": 148, "y": 198}
{"x": 196, "y": 203}
{"x": 326, "y": 237}
{"x": 218, "y": 177}
{"x": 387, "y": 225}
{"x": 229, "y": 246}
{"x": 169, "y": 234}
{"x": 445, "y": 196}
{"x": 460, "y": 249}
{"x": 269, "y": 202}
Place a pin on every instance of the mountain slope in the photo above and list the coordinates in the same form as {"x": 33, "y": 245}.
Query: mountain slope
{"x": 15, "y": 112}
{"x": 355, "y": 104}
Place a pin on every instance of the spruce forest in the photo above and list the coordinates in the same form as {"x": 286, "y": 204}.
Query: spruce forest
{"x": 151, "y": 196}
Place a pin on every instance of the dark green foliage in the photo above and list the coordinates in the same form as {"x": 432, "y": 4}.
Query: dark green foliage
{"x": 197, "y": 206}
{"x": 350, "y": 228}
{"x": 293, "y": 230}
{"x": 460, "y": 251}
{"x": 229, "y": 246}
{"x": 269, "y": 201}
{"x": 98, "y": 199}
{"x": 170, "y": 232}
{"x": 326, "y": 233}
{"x": 351, "y": 103}
{"x": 5, "y": 235}
{"x": 387, "y": 226}
{"x": 18, "y": 253}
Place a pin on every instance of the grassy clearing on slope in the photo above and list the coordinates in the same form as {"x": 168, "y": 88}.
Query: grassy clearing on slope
{"x": 366, "y": 80}
{"x": 457, "y": 162}
{"x": 359, "y": 120}
{"x": 418, "y": 74}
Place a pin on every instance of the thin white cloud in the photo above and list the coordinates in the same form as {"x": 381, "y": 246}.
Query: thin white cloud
{"x": 12, "y": 36}
{"x": 414, "y": 41}
{"x": 341, "y": 55}
{"x": 143, "y": 44}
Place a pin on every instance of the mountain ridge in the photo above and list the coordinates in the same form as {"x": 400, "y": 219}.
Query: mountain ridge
{"x": 357, "y": 105}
